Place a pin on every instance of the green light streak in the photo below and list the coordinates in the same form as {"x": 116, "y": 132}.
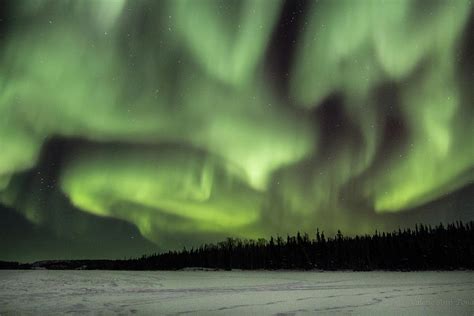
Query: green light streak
{"x": 185, "y": 132}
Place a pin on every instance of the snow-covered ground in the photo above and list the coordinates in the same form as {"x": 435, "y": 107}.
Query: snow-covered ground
{"x": 235, "y": 292}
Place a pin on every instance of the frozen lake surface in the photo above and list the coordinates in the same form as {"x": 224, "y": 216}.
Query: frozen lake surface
{"x": 44, "y": 292}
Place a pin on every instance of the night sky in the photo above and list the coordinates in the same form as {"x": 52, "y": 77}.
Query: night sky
{"x": 129, "y": 127}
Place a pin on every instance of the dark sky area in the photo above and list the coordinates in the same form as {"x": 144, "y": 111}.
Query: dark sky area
{"x": 129, "y": 127}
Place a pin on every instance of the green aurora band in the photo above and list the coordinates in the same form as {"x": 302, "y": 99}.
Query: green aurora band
{"x": 186, "y": 133}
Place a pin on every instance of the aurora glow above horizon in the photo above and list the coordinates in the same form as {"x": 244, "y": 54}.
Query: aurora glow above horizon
{"x": 196, "y": 120}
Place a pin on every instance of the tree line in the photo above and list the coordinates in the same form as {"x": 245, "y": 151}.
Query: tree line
{"x": 422, "y": 248}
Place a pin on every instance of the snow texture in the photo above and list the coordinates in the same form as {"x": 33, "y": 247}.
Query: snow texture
{"x": 44, "y": 292}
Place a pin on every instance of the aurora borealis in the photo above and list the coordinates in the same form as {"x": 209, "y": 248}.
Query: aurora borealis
{"x": 131, "y": 126}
